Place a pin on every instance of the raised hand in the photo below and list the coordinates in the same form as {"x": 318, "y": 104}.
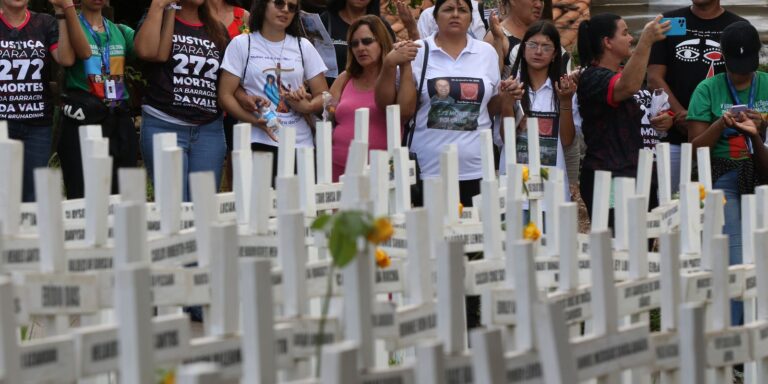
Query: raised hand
{"x": 60, "y": 3}
{"x": 565, "y": 88}
{"x": 495, "y": 26}
{"x": 655, "y": 31}
{"x": 402, "y": 52}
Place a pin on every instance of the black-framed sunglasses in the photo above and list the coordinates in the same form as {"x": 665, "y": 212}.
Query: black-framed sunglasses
{"x": 281, "y": 4}
{"x": 364, "y": 41}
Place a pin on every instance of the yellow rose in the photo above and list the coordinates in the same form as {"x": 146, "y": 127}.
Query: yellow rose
{"x": 531, "y": 232}
{"x": 169, "y": 378}
{"x": 525, "y": 173}
{"x": 382, "y": 230}
{"x": 702, "y": 192}
{"x": 382, "y": 259}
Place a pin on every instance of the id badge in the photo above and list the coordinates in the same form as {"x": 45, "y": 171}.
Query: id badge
{"x": 110, "y": 89}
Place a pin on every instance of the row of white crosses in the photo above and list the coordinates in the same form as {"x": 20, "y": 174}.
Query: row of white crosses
{"x": 460, "y": 312}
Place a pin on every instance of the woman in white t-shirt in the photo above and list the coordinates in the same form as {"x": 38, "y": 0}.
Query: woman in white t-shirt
{"x": 457, "y": 94}
{"x": 549, "y": 91}
{"x": 271, "y": 65}
{"x": 548, "y": 97}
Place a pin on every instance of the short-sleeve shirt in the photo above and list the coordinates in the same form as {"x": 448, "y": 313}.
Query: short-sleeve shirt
{"x": 25, "y": 69}
{"x": 691, "y": 58}
{"x": 613, "y": 131}
{"x": 712, "y": 98}
{"x": 454, "y": 105}
{"x": 184, "y": 87}
{"x": 91, "y": 75}
{"x": 272, "y": 66}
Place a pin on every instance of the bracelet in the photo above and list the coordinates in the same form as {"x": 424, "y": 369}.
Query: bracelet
{"x": 565, "y": 109}
{"x": 71, "y": 5}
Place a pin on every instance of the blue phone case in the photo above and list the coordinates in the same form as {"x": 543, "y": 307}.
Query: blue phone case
{"x": 678, "y": 26}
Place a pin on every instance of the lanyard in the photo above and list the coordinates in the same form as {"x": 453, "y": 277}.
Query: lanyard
{"x": 104, "y": 49}
{"x": 736, "y": 101}
{"x": 735, "y": 95}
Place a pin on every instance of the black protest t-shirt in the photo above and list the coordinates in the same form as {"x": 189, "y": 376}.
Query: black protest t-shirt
{"x": 25, "y": 69}
{"x": 613, "y": 132}
{"x": 691, "y": 58}
{"x": 185, "y": 86}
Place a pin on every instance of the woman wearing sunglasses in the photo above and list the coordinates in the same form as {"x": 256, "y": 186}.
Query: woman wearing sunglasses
{"x": 369, "y": 42}
{"x": 271, "y": 65}
{"x": 183, "y": 70}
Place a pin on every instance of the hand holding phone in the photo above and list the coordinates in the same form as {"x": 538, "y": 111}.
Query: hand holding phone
{"x": 736, "y": 110}
{"x": 678, "y": 26}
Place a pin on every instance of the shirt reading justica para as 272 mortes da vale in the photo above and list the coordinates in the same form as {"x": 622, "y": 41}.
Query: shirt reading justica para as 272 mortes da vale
{"x": 25, "y": 69}
{"x": 185, "y": 86}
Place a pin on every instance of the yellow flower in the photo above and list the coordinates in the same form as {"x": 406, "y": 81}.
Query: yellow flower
{"x": 724, "y": 200}
{"x": 461, "y": 209}
{"x": 169, "y": 378}
{"x": 531, "y": 232}
{"x": 244, "y": 29}
{"x": 525, "y": 173}
{"x": 382, "y": 230}
{"x": 702, "y": 192}
{"x": 382, "y": 259}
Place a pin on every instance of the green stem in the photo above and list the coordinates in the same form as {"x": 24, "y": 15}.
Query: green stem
{"x": 323, "y": 318}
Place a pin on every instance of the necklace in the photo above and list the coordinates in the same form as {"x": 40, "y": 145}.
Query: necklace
{"x": 272, "y": 54}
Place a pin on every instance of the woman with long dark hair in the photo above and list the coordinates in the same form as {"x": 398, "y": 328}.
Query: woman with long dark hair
{"x": 273, "y": 60}
{"x": 548, "y": 95}
{"x": 183, "y": 73}
{"x": 612, "y": 102}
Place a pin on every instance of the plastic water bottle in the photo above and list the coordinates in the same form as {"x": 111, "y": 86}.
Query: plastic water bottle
{"x": 273, "y": 122}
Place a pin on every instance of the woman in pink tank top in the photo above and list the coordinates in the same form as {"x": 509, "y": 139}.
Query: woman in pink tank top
{"x": 368, "y": 43}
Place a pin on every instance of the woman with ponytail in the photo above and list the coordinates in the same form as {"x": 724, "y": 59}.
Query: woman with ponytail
{"x": 614, "y": 107}
{"x": 185, "y": 48}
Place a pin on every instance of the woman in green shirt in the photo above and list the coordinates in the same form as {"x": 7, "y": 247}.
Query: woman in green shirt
{"x": 738, "y": 155}
{"x": 95, "y": 92}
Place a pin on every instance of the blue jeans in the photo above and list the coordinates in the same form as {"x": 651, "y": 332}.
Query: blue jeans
{"x": 37, "y": 151}
{"x": 203, "y": 147}
{"x": 729, "y": 184}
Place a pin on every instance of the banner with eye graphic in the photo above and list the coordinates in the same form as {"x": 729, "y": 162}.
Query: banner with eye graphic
{"x": 454, "y": 103}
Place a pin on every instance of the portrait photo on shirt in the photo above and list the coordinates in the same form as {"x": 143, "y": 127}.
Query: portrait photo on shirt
{"x": 548, "y": 137}
{"x": 454, "y": 103}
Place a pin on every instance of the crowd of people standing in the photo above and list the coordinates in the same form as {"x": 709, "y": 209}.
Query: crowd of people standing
{"x": 211, "y": 63}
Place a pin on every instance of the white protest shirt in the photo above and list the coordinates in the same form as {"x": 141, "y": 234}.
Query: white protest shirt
{"x": 272, "y": 66}
{"x": 427, "y": 24}
{"x": 453, "y": 105}
{"x": 550, "y": 146}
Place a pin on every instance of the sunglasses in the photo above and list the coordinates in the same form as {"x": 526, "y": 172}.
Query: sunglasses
{"x": 364, "y": 41}
{"x": 281, "y": 4}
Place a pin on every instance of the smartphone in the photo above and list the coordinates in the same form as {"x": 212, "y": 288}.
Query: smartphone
{"x": 737, "y": 109}
{"x": 678, "y": 26}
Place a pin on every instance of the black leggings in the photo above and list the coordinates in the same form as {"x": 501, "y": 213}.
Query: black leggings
{"x": 118, "y": 127}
